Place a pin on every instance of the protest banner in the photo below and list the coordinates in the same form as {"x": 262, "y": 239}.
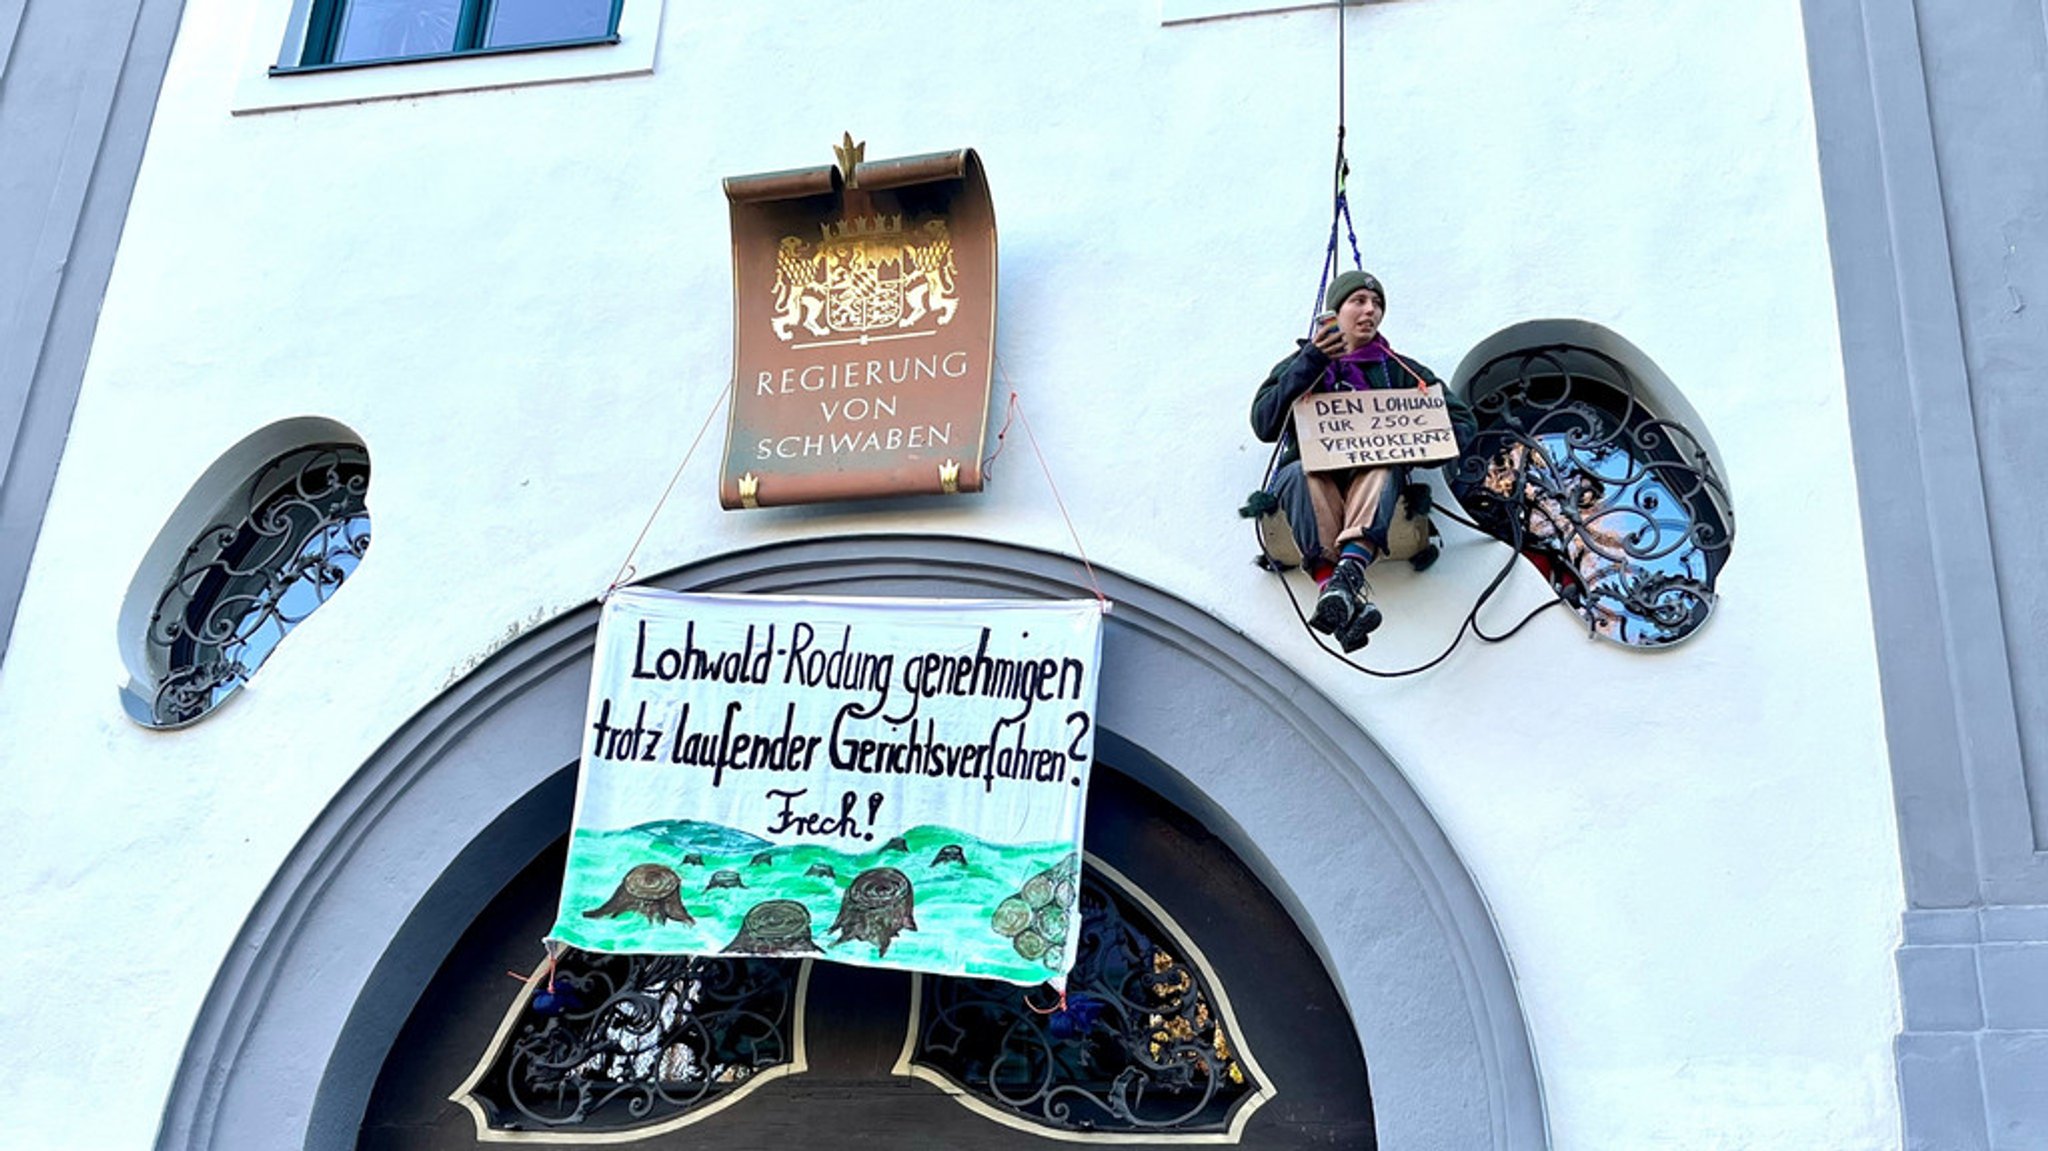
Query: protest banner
{"x": 884, "y": 782}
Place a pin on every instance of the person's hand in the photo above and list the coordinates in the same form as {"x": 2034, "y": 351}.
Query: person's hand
{"x": 1328, "y": 340}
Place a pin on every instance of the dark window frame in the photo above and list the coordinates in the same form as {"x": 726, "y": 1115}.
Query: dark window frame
{"x": 323, "y": 34}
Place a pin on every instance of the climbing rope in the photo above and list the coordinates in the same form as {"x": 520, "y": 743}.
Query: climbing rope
{"x": 1341, "y": 225}
{"x": 1340, "y": 175}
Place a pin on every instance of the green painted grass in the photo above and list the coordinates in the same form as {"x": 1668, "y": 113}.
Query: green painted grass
{"x": 952, "y": 902}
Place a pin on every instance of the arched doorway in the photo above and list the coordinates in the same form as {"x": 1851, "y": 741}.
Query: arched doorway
{"x": 311, "y": 1000}
{"x": 889, "y": 1060}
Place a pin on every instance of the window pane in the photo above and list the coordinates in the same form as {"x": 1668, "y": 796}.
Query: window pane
{"x": 516, "y": 22}
{"x": 388, "y": 29}
{"x": 614, "y": 1043}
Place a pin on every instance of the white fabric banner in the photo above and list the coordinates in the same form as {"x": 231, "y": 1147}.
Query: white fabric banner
{"x": 885, "y": 782}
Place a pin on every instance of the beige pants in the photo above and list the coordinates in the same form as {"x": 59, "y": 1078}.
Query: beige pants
{"x": 1352, "y": 506}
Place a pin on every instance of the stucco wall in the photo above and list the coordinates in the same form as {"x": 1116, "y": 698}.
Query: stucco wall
{"x": 1932, "y": 177}
{"x": 520, "y": 300}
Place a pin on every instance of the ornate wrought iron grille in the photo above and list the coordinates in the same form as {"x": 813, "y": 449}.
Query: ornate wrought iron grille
{"x": 294, "y": 532}
{"x": 626, "y": 1041}
{"x": 1621, "y": 509}
{"x": 1137, "y": 1046}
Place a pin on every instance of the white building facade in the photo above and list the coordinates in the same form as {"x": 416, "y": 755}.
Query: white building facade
{"x": 1568, "y": 894}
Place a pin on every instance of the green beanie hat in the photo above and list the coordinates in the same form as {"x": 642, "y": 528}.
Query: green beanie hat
{"x": 1346, "y": 283}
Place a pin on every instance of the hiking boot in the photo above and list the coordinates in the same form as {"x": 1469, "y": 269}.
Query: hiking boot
{"x": 1365, "y": 617}
{"x": 1337, "y": 607}
{"x": 1357, "y": 633}
{"x": 1333, "y": 607}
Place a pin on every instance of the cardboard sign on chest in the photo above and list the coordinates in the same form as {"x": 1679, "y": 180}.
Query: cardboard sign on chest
{"x": 1372, "y": 429}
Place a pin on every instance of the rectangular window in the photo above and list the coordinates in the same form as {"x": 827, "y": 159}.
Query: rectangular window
{"x": 309, "y": 53}
{"x": 348, "y": 33}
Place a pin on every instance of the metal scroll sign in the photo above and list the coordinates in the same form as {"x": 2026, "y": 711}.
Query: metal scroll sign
{"x": 863, "y": 329}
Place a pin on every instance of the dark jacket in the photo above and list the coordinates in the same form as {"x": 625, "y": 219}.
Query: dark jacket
{"x": 1308, "y": 370}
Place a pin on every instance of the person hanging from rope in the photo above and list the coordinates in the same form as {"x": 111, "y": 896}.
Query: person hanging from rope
{"x": 1340, "y": 519}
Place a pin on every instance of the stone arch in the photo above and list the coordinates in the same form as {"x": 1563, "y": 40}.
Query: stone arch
{"x": 289, "y": 1041}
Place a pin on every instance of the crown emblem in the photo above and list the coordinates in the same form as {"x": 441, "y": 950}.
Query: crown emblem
{"x": 855, "y": 229}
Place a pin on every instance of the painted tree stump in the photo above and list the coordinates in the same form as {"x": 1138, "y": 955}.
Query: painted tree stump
{"x": 897, "y": 844}
{"x": 1011, "y": 916}
{"x": 650, "y": 889}
{"x": 694, "y": 859}
{"x": 821, "y": 869}
{"x": 1037, "y": 918}
{"x": 878, "y": 905}
{"x": 761, "y": 859}
{"x": 951, "y": 853}
{"x": 724, "y": 879}
{"x": 1030, "y": 944}
{"x": 1037, "y": 890}
{"x": 1051, "y": 922}
{"x": 774, "y": 927}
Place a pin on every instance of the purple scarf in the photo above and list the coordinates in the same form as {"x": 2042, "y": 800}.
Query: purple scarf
{"x": 1347, "y": 372}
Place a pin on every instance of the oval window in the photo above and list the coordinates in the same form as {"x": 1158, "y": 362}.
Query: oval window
{"x": 1591, "y": 470}
{"x": 275, "y": 550}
